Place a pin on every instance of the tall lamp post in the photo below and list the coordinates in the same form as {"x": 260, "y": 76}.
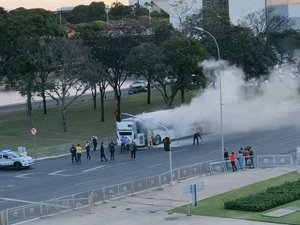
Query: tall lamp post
{"x": 107, "y": 9}
{"x": 149, "y": 7}
{"x": 167, "y": 130}
{"x": 220, "y": 85}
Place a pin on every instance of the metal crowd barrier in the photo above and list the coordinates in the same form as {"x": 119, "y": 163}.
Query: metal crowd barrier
{"x": 89, "y": 199}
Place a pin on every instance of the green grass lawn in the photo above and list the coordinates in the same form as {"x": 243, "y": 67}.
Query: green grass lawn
{"x": 82, "y": 120}
{"x": 214, "y": 206}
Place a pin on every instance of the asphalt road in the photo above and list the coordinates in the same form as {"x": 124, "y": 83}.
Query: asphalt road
{"x": 52, "y": 104}
{"x": 57, "y": 177}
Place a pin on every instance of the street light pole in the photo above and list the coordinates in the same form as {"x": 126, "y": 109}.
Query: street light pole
{"x": 167, "y": 130}
{"x": 107, "y": 9}
{"x": 220, "y": 88}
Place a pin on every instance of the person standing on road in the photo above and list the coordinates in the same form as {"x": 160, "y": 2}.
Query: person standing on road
{"x": 78, "y": 152}
{"x": 127, "y": 144}
{"x": 133, "y": 150}
{"x": 196, "y": 138}
{"x": 88, "y": 148}
{"x": 73, "y": 153}
{"x": 150, "y": 138}
{"x": 112, "y": 150}
{"x": 233, "y": 161}
{"x": 123, "y": 141}
{"x": 102, "y": 154}
{"x": 95, "y": 143}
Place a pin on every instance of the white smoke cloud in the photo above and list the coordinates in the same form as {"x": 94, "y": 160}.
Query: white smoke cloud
{"x": 246, "y": 106}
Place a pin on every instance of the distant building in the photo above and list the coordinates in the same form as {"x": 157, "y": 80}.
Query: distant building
{"x": 288, "y": 8}
{"x": 237, "y": 9}
{"x": 65, "y": 9}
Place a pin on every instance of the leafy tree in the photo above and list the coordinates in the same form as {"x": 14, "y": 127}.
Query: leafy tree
{"x": 243, "y": 49}
{"x": 41, "y": 62}
{"x": 26, "y": 30}
{"x": 69, "y": 61}
{"x": 146, "y": 60}
{"x": 3, "y": 41}
{"x": 183, "y": 56}
{"x": 98, "y": 76}
{"x": 265, "y": 21}
{"x": 238, "y": 44}
{"x": 275, "y": 30}
{"x": 162, "y": 31}
{"x": 111, "y": 49}
{"x": 180, "y": 9}
{"x": 119, "y": 11}
{"x": 86, "y": 13}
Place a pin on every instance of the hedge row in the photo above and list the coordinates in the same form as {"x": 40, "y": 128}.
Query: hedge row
{"x": 271, "y": 198}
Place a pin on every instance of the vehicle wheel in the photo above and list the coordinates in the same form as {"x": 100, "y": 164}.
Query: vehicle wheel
{"x": 17, "y": 165}
{"x": 157, "y": 139}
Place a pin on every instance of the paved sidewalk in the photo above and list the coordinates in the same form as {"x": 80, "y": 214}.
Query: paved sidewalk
{"x": 153, "y": 207}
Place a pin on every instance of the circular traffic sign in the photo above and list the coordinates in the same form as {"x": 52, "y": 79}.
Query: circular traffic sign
{"x": 33, "y": 131}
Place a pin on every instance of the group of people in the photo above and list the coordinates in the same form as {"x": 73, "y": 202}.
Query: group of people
{"x": 76, "y": 152}
{"x": 244, "y": 159}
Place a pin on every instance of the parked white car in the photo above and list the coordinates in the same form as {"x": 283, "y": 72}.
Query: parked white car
{"x": 9, "y": 158}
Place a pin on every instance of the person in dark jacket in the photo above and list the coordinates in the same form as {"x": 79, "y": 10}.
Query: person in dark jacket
{"x": 102, "y": 154}
{"x": 133, "y": 150}
{"x": 197, "y": 136}
{"x": 95, "y": 143}
{"x": 88, "y": 148}
{"x": 251, "y": 157}
{"x": 111, "y": 147}
{"x": 73, "y": 153}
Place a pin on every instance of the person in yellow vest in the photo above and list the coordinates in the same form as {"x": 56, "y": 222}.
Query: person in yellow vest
{"x": 78, "y": 153}
{"x": 150, "y": 139}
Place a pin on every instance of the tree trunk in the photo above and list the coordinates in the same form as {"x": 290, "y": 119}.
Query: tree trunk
{"x": 118, "y": 95}
{"x": 102, "y": 97}
{"x": 29, "y": 109}
{"x": 94, "y": 94}
{"x": 171, "y": 99}
{"x": 64, "y": 119}
{"x": 149, "y": 93}
{"x": 182, "y": 95}
{"x": 64, "y": 113}
{"x": 44, "y": 102}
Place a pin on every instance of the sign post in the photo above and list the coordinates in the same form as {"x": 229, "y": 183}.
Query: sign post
{"x": 34, "y": 132}
{"x": 193, "y": 189}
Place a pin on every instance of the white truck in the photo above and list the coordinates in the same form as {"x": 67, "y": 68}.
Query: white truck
{"x": 136, "y": 130}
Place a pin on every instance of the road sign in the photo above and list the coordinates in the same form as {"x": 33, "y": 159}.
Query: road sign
{"x": 193, "y": 189}
{"x": 33, "y": 131}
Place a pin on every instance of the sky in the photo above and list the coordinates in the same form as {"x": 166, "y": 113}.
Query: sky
{"x": 52, "y": 5}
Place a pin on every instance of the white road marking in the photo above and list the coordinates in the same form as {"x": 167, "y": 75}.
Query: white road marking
{"x": 287, "y": 142}
{"x": 156, "y": 165}
{"x": 23, "y": 175}
{"x": 264, "y": 139}
{"x": 93, "y": 169}
{"x": 57, "y": 173}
